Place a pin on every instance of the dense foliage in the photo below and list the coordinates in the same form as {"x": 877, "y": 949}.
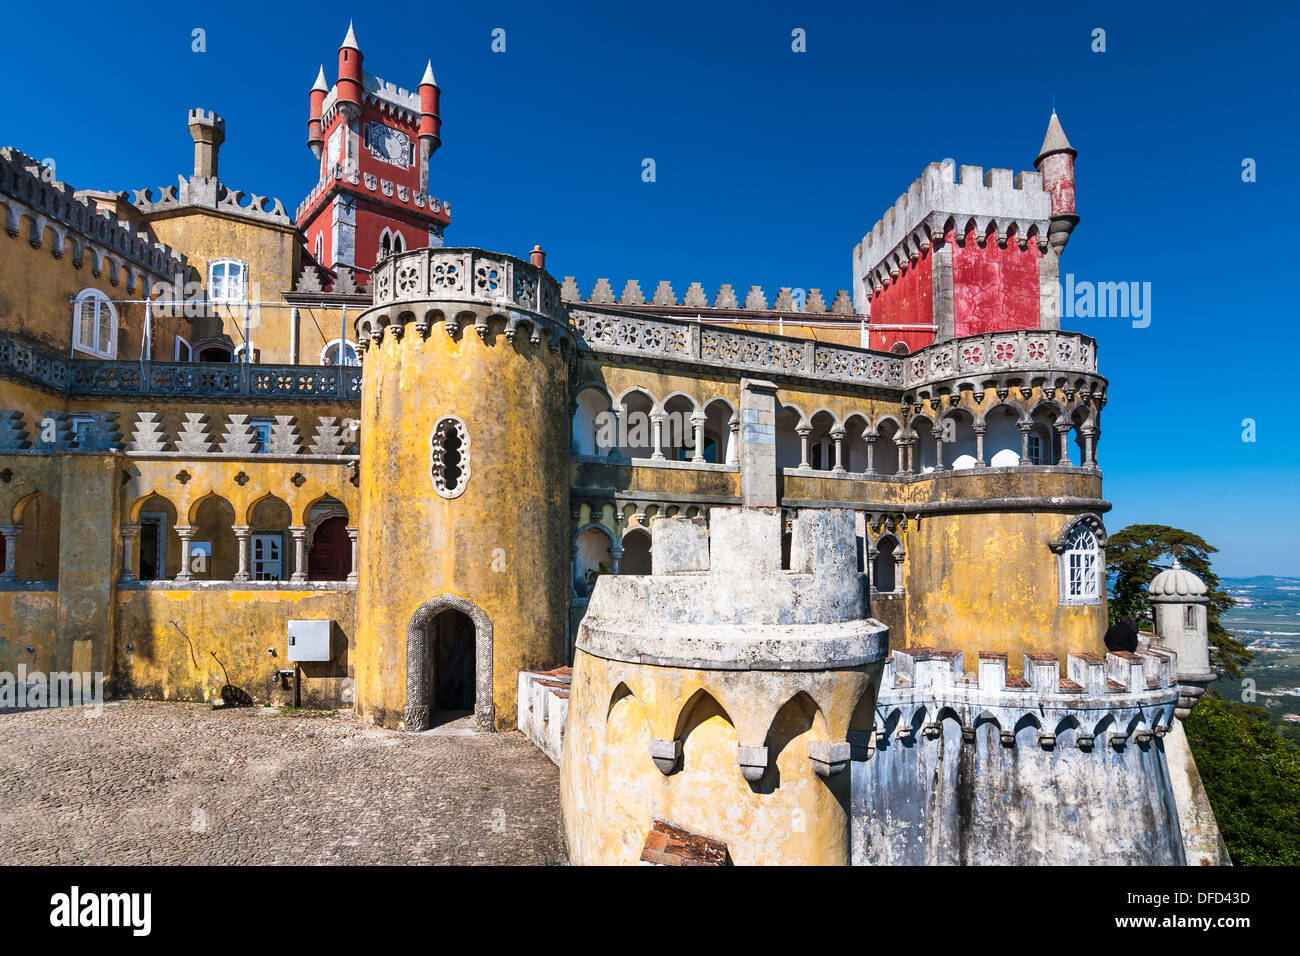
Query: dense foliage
{"x": 1252, "y": 777}
{"x": 1134, "y": 556}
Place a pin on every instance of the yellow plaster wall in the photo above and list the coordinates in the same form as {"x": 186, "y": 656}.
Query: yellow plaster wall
{"x": 273, "y": 253}
{"x": 37, "y": 288}
{"x": 174, "y": 633}
{"x": 612, "y": 791}
{"x": 503, "y": 544}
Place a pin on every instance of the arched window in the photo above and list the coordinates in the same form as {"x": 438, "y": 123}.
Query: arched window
{"x": 184, "y": 351}
{"x": 227, "y": 280}
{"x": 391, "y": 243}
{"x": 899, "y": 348}
{"x": 95, "y": 322}
{"x": 215, "y": 353}
{"x": 329, "y": 355}
{"x": 1080, "y": 567}
{"x": 884, "y": 565}
{"x": 242, "y": 350}
{"x": 320, "y": 247}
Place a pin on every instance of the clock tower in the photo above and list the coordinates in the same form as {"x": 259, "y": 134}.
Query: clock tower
{"x": 374, "y": 141}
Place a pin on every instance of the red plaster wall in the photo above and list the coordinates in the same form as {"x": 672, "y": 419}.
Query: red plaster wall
{"x": 994, "y": 289}
{"x": 908, "y": 300}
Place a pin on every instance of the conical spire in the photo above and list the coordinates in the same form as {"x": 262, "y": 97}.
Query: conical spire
{"x": 321, "y": 83}
{"x": 1055, "y": 141}
{"x": 427, "y": 79}
{"x": 350, "y": 41}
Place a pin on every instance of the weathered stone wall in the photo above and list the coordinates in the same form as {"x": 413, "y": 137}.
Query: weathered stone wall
{"x": 1035, "y": 771}
{"x": 502, "y": 544}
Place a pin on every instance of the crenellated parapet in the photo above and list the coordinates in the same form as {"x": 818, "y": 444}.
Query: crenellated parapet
{"x": 1041, "y": 769}
{"x": 378, "y": 187}
{"x": 998, "y": 204}
{"x": 210, "y": 193}
{"x": 726, "y": 302}
{"x": 26, "y": 191}
{"x": 455, "y": 287}
{"x": 1110, "y": 700}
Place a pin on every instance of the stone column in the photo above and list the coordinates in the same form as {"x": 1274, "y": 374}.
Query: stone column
{"x": 803, "y": 431}
{"x": 837, "y": 436}
{"x": 906, "y": 445}
{"x": 938, "y": 450}
{"x": 697, "y": 423}
{"x": 979, "y": 447}
{"x": 1089, "y": 448}
{"x": 657, "y": 428}
{"x": 758, "y": 467}
{"x": 11, "y": 533}
{"x": 618, "y": 432}
{"x": 733, "y": 443}
{"x": 616, "y": 549}
{"x": 130, "y": 553}
{"x": 186, "y": 534}
{"x": 871, "y": 452}
{"x": 1064, "y": 431}
{"x": 352, "y": 538}
{"x": 242, "y": 537}
{"x": 299, "y": 575}
{"x": 1025, "y": 429}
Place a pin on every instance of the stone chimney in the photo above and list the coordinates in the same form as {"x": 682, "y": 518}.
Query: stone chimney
{"x": 209, "y": 132}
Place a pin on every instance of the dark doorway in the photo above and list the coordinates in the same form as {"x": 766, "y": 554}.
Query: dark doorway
{"x": 636, "y": 553}
{"x": 330, "y": 557}
{"x": 452, "y": 661}
{"x": 153, "y": 547}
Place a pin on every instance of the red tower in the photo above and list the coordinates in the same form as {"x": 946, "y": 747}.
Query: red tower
{"x": 374, "y": 141}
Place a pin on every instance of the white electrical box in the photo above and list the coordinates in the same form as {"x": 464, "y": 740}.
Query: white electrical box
{"x": 309, "y": 640}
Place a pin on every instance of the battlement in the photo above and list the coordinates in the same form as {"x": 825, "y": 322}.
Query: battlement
{"x": 1124, "y": 695}
{"x": 664, "y": 298}
{"x": 995, "y": 202}
{"x": 209, "y": 193}
{"x": 26, "y": 190}
{"x": 202, "y": 117}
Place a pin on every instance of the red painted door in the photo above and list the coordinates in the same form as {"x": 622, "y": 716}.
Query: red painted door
{"x": 330, "y": 557}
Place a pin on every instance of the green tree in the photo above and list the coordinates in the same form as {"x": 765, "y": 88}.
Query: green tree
{"x": 1135, "y": 555}
{"x": 1252, "y": 777}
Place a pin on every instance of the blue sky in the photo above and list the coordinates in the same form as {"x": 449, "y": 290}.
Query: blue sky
{"x": 773, "y": 164}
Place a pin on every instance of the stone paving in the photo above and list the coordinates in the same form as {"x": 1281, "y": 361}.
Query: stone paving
{"x": 173, "y": 783}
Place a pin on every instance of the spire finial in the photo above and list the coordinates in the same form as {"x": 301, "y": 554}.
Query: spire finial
{"x": 350, "y": 41}
{"x": 1055, "y": 141}
{"x": 321, "y": 83}
{"x": 427, "y": 79}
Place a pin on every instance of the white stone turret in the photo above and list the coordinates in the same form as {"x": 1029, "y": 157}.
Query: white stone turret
{"x": 1179, "y": 602}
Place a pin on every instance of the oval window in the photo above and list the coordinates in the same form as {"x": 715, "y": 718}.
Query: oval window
{"x": 449, "y": 457}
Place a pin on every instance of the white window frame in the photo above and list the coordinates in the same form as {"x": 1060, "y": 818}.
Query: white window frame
{"x": 221, "y": 292}
{"x": 331, "y": 349}
{"x": 103, "y": 309}
{"x": 319, "y": 249}
{"x": 1081, "y": 568}
{"x": 266, "y": 568}
{"x": 188, "y": 349}
{"x": 236, "y": 355}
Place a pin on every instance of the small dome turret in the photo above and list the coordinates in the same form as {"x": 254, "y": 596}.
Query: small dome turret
{"x": 1177, "y": 583}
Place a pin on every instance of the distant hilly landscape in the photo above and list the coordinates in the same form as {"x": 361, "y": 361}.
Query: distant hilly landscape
{"x": 1267, "y": 620}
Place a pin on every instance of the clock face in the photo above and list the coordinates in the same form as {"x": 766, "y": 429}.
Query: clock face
{"x": 390, "y": 145}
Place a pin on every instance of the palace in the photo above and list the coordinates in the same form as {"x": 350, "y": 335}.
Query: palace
{"x": 709, "y": 553}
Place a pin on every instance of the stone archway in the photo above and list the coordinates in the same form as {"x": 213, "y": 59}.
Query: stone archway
{"x": 419, "y": 695}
